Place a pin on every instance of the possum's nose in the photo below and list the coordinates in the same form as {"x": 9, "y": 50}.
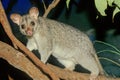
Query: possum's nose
{"x": 29, "y": 31}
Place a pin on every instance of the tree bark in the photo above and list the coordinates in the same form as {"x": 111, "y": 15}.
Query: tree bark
{"x": 20, "y": 61}
{"x": 50, "y": 7}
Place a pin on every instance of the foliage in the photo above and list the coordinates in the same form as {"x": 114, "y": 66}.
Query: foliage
{"x": 101, "y": 6}
{"x": 67, "y": 3}
{"x": 110, "y": 55}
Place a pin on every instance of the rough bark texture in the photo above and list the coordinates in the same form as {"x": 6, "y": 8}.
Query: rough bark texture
{"x": 20, "y": 61}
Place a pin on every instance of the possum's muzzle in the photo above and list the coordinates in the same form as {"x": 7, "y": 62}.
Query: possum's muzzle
{"x": 29, "y": 32}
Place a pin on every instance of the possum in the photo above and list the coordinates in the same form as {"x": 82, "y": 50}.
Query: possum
{"x": 69, "y": 45}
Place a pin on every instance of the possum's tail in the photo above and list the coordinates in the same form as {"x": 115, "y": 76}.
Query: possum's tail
{"x": 99, "y": 64}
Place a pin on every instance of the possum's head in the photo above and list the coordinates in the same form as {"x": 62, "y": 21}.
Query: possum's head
{"x": 27, "y": 23}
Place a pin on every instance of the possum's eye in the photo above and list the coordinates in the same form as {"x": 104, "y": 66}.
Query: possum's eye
{"x": 23, "y": 26}
{"x": 32, "y": 23}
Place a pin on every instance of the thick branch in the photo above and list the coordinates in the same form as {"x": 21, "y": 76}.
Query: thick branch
{"x": 70, "y": 75}
{"x": 6, "y": 26}
{"x": 18, "y": 60}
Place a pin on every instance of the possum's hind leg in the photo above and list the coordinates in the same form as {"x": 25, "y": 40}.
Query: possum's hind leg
{"x": 91, "y": 65}
{"x": 69, "y": 64}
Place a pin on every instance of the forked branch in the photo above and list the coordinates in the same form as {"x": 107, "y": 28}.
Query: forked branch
{"x": 50, "y": 7}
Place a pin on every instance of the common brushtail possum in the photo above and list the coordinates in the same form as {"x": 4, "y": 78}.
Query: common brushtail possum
{"x": 69, "y": 45}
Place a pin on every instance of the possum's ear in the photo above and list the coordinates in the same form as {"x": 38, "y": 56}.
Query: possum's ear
{"x": 34, "y": 12}
{"x": 16, "y": 18}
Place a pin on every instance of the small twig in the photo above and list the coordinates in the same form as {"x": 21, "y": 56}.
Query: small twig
{"x": 44, "y": 5}
{"x": 50, "y": 7}
{"x": 15, "y": 41}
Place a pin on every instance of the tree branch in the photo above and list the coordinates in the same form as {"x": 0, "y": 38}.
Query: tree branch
{"x": 50, "y": 7}
{"x": 71, "y": 75}
{"x": 18, "y": 60}
{"x": 6, "y": 26}
{"x": 44, "y": 4}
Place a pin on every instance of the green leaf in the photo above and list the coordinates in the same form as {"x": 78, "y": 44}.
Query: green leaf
{"x": 107, "y": 44}
{"x": 110, "y": 2}
{"x": 67, "y": 3}
{"x": 107, "y": 59}
{"x": 115, "y": 11}
{"x": 117, "y": 2}
{"x": 101, "y": 5}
